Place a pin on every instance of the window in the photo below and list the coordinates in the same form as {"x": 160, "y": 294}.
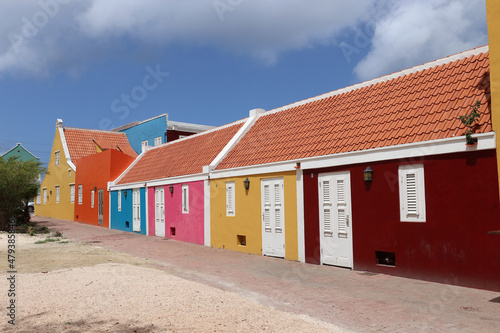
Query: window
{"x": 185, "y": 198}
{"x": 92, "y": 198}
{"x": 80, "y": 194}
{"x": 230, "y": 198}
{"x": 44, "y": 196}
{"x": 144, "y": 145}
{"x": 57, "y": 194}
{"x": 72, "y": 193}
{"x": 412, "y": 193}
{"x": 57, "y": 158}
{"x": 158, "y": 141}
{"x": 119, "y": 200}
{"x": 39, "y": 199}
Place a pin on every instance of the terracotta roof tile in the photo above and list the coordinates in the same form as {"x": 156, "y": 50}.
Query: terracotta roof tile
{"x": 82, "y": 142}
{"x": 419, "y": 104}
{"x": 181, "y": 157}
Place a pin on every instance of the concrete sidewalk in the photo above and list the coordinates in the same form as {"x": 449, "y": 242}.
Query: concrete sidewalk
{"x": 355, "y": 301}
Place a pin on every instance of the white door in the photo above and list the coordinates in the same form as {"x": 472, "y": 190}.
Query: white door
{"x": 160, "y": 211}
{"x": 335, "y": 219}
{"x": 273, "y": 217}
{"x": 136, "y": 207}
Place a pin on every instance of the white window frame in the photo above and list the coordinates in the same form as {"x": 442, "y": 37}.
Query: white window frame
{"x": 144, "y": 145}
{"x": 58, "y": 192}
{"x": 185, "y": 199}
{"x": 39, "y": 199}
{"x": 230, "y": 199}
{"x": 57, "y": 157}
{"x": 92, "y": 194}
{"x": 72, "y": 193}
{"x": 158, "y": 141}
{"x": 44, "y": 196}
{"x": 413, "y": 211}
{"x": 119, "y": 200}
{"x": 80, "y": 194}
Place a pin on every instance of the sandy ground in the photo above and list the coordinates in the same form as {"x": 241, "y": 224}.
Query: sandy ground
{"x": 67, "y": 286}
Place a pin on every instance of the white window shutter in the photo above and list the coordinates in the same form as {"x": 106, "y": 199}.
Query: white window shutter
{"x": 412, "y": 193}
{"x": 230, "y": 199}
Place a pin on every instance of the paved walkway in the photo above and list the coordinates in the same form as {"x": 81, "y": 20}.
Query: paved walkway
{"x": 355, "y": 301}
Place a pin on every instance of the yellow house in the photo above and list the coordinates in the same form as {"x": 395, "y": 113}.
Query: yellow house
{"x": 59, "y": 192}
{"x": 493, "y": 14}
{"x": 255, "y": 213}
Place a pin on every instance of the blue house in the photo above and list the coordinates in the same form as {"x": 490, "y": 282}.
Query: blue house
{"x": 157, "y": 130}
{"x": 128, "y": 210}
{"x": 149, "y": 132}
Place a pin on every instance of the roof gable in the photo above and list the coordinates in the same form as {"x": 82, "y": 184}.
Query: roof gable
{"x": 182, "y": 157}
{"x": 85, "y": 142}
{"x": 419, "y": 104}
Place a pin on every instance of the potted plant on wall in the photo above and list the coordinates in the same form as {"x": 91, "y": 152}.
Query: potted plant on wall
{"x": 470, "y": 122}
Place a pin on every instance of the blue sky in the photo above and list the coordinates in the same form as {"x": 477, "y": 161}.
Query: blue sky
{"x": 104, "y": 63}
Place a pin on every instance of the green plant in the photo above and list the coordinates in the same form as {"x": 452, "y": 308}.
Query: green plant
{"x": 470, "y": 120}
{"x": 48, "y": 240}
{"x": 57, "y": 234}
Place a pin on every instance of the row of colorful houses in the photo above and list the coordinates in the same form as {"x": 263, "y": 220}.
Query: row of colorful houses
{"x": 374, "y": 177}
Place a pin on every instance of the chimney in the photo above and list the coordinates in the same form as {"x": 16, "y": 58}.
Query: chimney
{"x": 59, "y": 123}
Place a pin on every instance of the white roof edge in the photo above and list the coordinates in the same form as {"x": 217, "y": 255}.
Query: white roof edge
{"x": 254, "y": 115}
{"x": 140, "y": 122}
{"x": 411, "y": 70}
{"x": 181, "y": 126}
{"x": 402, "y": 152}
{"x": 65, "y": 147}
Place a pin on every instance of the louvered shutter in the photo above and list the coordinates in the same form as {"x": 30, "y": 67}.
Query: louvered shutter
{"x": 230, "y": 198}
{"x": 327, "y": 206}
{"x": 277, "y": 208}
{"x": 412, "y": 193}
{"x": 267, "y": 209}
{"x": 341, "y": 207}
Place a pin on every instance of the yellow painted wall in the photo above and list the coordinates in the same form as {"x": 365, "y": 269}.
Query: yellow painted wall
{"x": 248, "y": 215}
{"x": 493, "y": 16}
{"x": 57, "y": 175}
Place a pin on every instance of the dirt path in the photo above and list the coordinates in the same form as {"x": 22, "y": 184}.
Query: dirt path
{"x": 66, "y": 286}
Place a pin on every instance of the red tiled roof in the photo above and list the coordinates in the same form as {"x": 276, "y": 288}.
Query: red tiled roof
{"x": 181, "y": 157}
{"x": 82, "y": 142}
{"x": 419, "y": 104}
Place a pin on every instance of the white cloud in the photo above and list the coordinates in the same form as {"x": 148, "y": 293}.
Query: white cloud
{"x": 43, "y": 36}
{"x": 78, "y": 32}
{"x": 419, "y": 31}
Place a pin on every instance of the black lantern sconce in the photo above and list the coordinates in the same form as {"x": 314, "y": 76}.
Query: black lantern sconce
{"x": 125, "y": 194}
{"x": 246, "y": 183}
{"x": 368, "y": 174}
{"x": 95, "y": 188}
{"x": 171, "y": 189}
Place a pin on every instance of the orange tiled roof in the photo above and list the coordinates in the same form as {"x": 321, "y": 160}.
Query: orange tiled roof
{"x": 419, "y": 104}
{"x": 82, "y": 142}
{"x": 181, "y": 157}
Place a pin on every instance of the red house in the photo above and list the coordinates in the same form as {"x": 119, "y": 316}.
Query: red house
{"x": 94, "y": 173}
{"x": 388, "y": 183}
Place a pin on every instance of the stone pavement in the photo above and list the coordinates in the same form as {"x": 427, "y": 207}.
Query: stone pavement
{"x": 352, "y": 300}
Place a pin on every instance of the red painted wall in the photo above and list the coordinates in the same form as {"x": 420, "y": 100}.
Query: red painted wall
{"x": 452, "y": 246}
{"x": 96, "y": 171}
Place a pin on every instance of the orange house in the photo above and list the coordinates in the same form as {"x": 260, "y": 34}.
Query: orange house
{"x": 94, "y": 173}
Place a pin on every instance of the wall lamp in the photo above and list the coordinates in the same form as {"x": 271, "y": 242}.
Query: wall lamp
{"x": 125, "y": 194}
{"x": 246, "y": 183}
{"x": 95, "y": 188}
{"x": 368, "y": 174}
{"x": 171, "y": 189}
